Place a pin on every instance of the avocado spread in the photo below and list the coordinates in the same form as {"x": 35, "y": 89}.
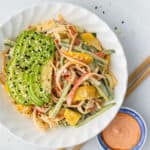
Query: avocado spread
{"x": 33, "y": 52}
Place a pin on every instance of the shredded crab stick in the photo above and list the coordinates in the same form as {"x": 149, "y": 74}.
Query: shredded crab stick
{"x": 72, "y": 42}
{"x": 78, "y": 83}
{"x": 75, "y": 60}
{"x": 59, "y": 73}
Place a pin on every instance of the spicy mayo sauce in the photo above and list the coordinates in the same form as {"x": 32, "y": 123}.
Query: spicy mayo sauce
{"x": 123, "y": 133}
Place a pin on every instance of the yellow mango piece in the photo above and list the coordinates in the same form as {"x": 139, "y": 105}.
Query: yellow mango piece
{"x": 25, "y": 110}
{"x": 80, "y": 56}
{"x": 91, "y": 40}
{"x": 85, "y": 92}
{"x": 72, "y": 117}
{"x": 114, "y": 79}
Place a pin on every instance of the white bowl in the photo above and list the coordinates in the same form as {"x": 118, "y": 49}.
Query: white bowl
{"x": 62, "y": 137}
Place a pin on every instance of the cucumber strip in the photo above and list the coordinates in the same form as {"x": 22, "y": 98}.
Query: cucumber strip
{"x": 79, "y": 49}
{"x": 89, "y": 47}
{"x": 104, "y": 89}
{"x": 62, "y": 98}
{"x": 101, "y": 111}
{"x": 79, "y": 29}
{"x": 63, "y": 123}
{"x": 99, "y": 90}
{"x": 109, "y": 90}
{"x": 103, "y": 61}
{"x": 94, "y": 34}
{"x": 49, "y": 108}
{"x": 60, "y": 101}
{"x": 65, "y": 40}
{"x": 108, "y": 51}
{"x": 62, "y": 60}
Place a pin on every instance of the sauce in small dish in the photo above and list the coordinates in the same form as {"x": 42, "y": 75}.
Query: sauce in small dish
{"x": 126, "y": 132}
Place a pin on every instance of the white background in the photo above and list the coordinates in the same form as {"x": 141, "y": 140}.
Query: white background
{"x": 134, "y": 35}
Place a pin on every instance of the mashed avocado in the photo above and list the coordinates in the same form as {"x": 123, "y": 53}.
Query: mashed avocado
{"x": 31, "y": 53}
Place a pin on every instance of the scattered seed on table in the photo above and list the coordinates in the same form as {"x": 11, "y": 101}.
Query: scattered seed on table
{"x": 122, "y": 22}
{"x": 96, "y": 7}
{"x": 115, "y": 28}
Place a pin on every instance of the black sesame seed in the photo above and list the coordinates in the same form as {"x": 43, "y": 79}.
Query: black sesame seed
{"x": 103, "y": 12}
{"x": 25, "y": 67}
{"x": 115, "y": 28}
{"x": 122, "y": 22}
{"x": 95, "y": 7}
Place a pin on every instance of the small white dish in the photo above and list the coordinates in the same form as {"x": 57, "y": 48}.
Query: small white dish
{"x": 141, "y": 123}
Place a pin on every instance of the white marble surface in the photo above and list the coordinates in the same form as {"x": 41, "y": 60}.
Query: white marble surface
{"x": 134, "y": 34}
